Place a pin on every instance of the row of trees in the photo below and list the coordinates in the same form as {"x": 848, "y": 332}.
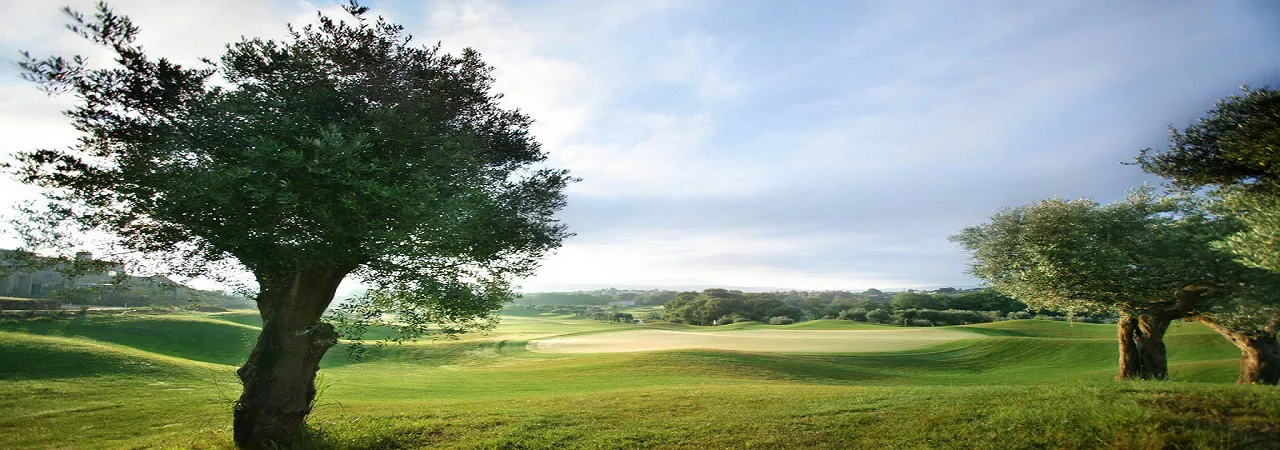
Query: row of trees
{"x": 978, "y": 300}
{"x": 1205, "y": 251}
{"x": 814, "y": 303}
{"x": 720, "y": 306}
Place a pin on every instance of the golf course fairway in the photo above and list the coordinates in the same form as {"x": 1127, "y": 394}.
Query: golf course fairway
{"x": 780, "y": 341}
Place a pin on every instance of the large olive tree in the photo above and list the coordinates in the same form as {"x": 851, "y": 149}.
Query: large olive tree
{"x": 1232, "y": 154}
{"x": 342, "y": 150}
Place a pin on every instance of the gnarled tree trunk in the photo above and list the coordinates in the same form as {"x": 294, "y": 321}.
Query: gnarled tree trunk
{"x": 1259, "y": 353}
{"x": 1142, "y": 350}
{"x": 279, "y": 376}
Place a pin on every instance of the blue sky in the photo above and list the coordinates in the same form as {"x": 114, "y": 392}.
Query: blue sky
{"x": 810, "y": 145}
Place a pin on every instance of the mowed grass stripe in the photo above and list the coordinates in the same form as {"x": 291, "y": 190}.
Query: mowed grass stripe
{"x": 786, "y": 341}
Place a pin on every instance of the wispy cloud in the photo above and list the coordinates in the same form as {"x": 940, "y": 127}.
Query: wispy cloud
{"x": 833, "y": 145}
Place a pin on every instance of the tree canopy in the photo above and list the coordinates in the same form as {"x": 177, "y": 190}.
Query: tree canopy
{"x": 1234, "y": 151}
{"x": 1236, "y": 144}
{"x": 1079, "y": 255}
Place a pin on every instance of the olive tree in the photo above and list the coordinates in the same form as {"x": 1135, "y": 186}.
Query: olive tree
{"x": 1231, "y": 155}
{"x": 1152, "y": 260}
{"x": 341, "y": 150}
{"x": 1080, "y": 256}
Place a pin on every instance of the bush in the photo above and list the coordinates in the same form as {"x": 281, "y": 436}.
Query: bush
{"x": 675, "y": 320}
{"x": 1050, "y": 317}
{"x": 781, "y": 320}
{"x": 1020, "y": 315}
{"x": 724, "y": 320}
{"x": 857, "y": 314}
{"x": 878, "y": 316}
{"x": 33, "y": 304}
{"x": 921, "y": 323}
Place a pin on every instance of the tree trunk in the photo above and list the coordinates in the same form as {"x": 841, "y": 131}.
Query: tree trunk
{"x": 1259, "y": 353}
{"x": 1142, "y": 350}
{"x": 1130, "y": 362}
{"x": 279, "y": 376}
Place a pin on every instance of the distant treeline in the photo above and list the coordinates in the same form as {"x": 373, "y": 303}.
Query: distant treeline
{"x": 946, "y": 306}
{"x": 720, "y": 306}
{"x": 141, "y": 291}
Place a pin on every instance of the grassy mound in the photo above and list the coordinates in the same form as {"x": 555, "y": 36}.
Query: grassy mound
{"x": 835, "y": 325}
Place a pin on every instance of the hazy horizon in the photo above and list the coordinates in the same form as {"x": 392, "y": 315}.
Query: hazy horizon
{"x": 803, "y": 146}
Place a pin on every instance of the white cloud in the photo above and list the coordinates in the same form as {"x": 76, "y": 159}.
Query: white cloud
{"x": 657, "y": 155}
{"x": 559, "y": 93}
{"x": 703, "y": 61}
{"x": 743, "y": 257}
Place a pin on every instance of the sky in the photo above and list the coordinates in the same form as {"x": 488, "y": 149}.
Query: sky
{"x": 770, "y": 145}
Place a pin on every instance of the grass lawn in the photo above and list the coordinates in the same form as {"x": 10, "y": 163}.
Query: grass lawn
{"x": 753, "y": 340}
{"x": 168, "y": 381}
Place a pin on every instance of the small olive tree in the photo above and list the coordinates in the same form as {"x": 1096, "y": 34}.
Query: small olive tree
{"x": 1152, "y": 260}
{"x": 341, "y": 150}
{"x": 1080, "y": 256}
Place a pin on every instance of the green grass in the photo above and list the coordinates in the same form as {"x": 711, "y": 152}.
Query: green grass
{"x": 168, "y": 381}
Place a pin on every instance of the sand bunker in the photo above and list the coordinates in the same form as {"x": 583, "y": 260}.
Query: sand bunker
{"x": 789, "y": 341}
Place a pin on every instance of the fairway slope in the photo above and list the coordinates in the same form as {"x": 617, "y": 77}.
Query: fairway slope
{"x": 193, "y": 337}
{"x": 34, "y": 357}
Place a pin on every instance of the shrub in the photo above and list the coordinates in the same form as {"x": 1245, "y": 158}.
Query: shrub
{"x": 725, "y": 320}
{"x": 878, "y": 316}
{"x": 675, "y": 320}
{"x": 921, "y": 323}
{"x": 33, "y": 304}
{"x": 1020, "y": 315}
{"x": 781, "y": 320}
{"x": 857, "y": 314}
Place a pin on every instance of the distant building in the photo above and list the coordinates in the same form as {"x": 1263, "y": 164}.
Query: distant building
{"x": 19, "y": 282}
{"x": 623, "y": 303}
